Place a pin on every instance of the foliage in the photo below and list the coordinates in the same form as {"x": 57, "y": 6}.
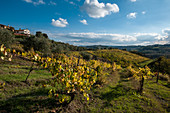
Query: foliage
{"x": 164, "y": 66}
{"x": 151, "y": 51}
{"x": 38, "y": 44}
{"x": 116, "y": 67}
{"x": 141, "y": 74}
{"x": 116, "y": 96}
{"x": 155, "y": 51}
{"x": 4, "y": 53}
{"x": 2, "y": 85}
{"x": 18, "y": 47}
{"x": 6, "y": 37}
{"x": 72, "y": 75}
{"x": 86, "y": 55}
{"x": 122, "y": 58}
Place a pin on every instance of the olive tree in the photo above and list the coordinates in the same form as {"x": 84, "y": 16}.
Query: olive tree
{"x": 6, "y": 37}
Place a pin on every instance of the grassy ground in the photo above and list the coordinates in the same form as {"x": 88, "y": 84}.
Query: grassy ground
{"x": 142, "y": 64}
{"x": 119, "y": 94}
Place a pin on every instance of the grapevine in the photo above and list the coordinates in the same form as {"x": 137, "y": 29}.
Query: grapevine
{"x": 73, "y": 76}
{"x": 141, "y": 74}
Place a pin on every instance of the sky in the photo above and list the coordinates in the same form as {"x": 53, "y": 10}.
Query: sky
{"x": 92, "y": 22}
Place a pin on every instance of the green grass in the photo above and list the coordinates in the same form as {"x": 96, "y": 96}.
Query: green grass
{"x": 117, "y": 95}
{"x": 123, "y": 97}
{"x": 30, "y": 101}
{"x": 18, "y": 69}
{"x": 142, "y": 64}
{"x": 21, "y": 74}
{"x": 17, "y": 96}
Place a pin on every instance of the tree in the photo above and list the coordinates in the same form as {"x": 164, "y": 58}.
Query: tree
{"x": 6, "y": 37}
{"x": 160, "y": 65}
{"x": 42, "y": 45}
{"x": 38, "y": 44}
{"x": 39, "y": 34}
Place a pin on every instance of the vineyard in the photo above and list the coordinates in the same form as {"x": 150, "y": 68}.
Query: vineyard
{"x": 121, "y": 57}
{"x": 88, "y": 81}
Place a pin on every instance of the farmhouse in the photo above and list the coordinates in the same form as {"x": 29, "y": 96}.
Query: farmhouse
{"x": 22, "y": 31}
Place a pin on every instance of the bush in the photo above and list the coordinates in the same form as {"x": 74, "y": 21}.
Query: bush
{"x": 86, "y": 55}
{"x": 42, "y": 45}
{"x": 164, "y": 77}
{"x": 38, "y": 44}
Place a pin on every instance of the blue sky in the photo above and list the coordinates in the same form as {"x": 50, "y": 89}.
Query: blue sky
{"x": 92, "y": 22}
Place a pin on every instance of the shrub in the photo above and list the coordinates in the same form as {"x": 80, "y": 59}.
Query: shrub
{"x": 163, "y": 77}
{"x": 86, "y": 56}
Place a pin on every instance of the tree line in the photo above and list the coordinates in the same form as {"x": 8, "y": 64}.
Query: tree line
{"x": 38, "y": 42}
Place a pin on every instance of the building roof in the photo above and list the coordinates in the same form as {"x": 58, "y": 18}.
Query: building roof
{"x": 21, "y": 29}
{"x": 18, "y": 34}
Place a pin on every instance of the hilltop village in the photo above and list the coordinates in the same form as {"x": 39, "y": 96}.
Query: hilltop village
{"x": 21, "y": 32}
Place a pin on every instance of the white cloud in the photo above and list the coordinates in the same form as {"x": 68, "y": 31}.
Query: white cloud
{"x": 72, "y": 3}
{"x": 132, "y": 15}
{"x": 96, "y": 39}
{"x": 28, "y": 1}
{"x": 57, "y": 13}
{"x": 83, "y": 21}
{"x": 143, "y": 12}
{"x": 163, "y": 38}
{"x": 39, "y": 2}
{"x": 60, "y": 22}
{"x": 133, "y": 0}
{"x": 97, "y": 10}
{"x": 155, "y": 38}
{"x": 91, "y": 38}
{"x": 35, "y": 3}
{"x": 145, "y": 34}
{"x": 52, "y": 3}
{"x": 123, "y": 38}
{"x": 166, "y": 32}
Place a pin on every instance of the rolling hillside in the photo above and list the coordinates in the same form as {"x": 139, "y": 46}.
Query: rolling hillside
{"x": 121, "y": 57}
{"x": 118, "y": 94}
{"x": 151, "y": 51}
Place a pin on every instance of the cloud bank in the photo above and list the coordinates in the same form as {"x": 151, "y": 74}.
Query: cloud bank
{"x": 114, "y": 39}
{"x": 167, "y": 35}
{"x": 59, "y": 23}
{"x": 97, "y": 10}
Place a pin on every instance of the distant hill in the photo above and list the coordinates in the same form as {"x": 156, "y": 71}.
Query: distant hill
{"x": 151, "y": 51}
{"x": 121, "y": 57}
